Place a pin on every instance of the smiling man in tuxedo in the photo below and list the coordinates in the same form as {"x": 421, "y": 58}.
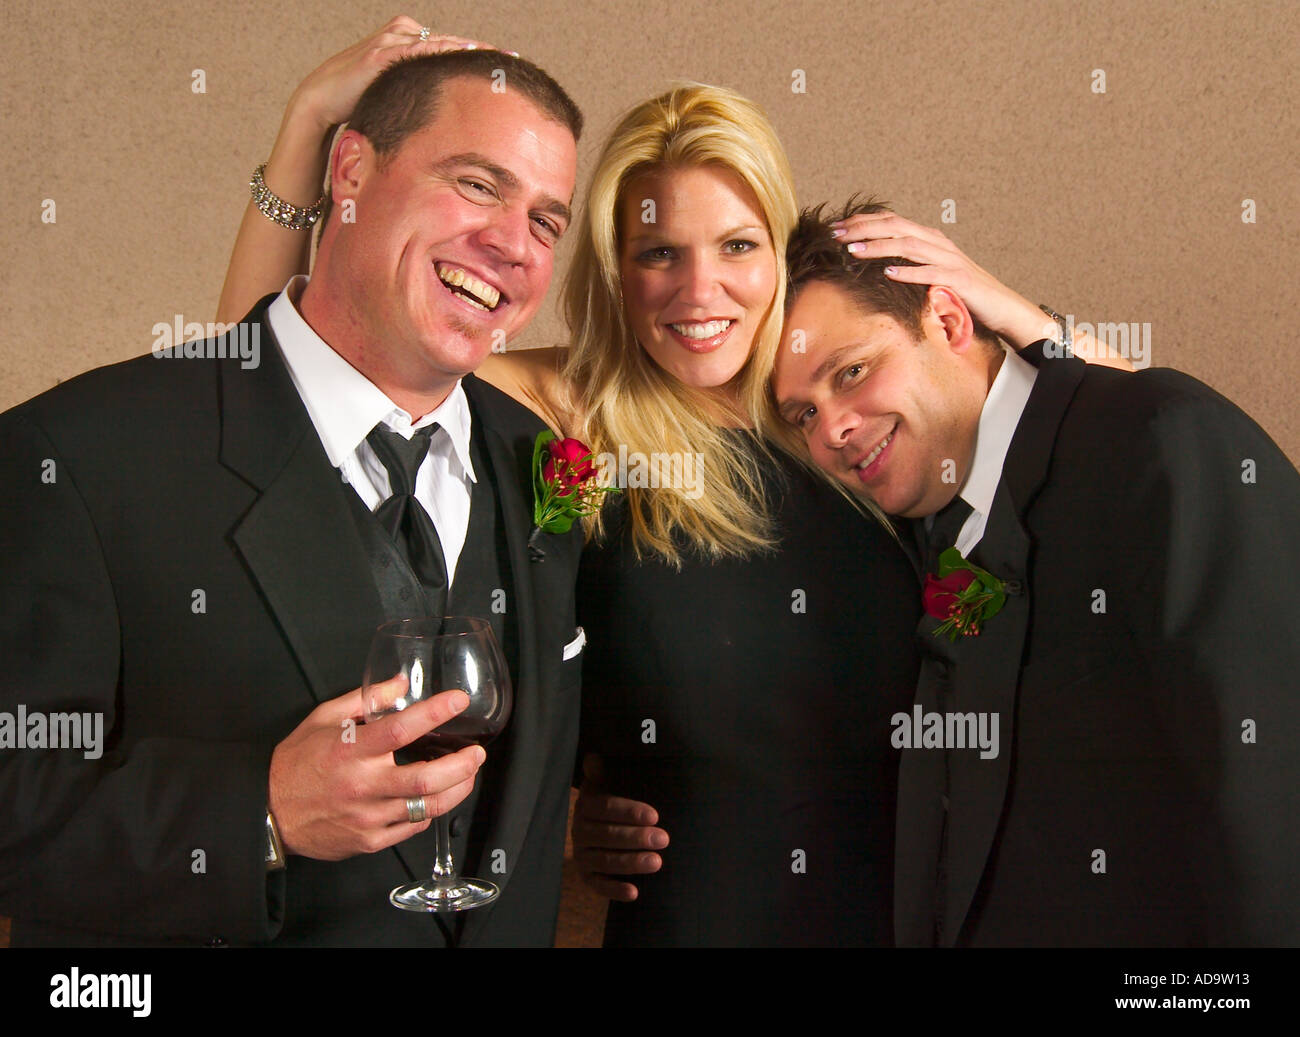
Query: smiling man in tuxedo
{"x": 200, "y": 550}
{"x": 1140, "y": 531}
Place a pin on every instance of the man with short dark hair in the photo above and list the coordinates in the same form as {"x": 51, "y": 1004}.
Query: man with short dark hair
{"x": 197, "y": 550}
{"x": 1103, "y": 748}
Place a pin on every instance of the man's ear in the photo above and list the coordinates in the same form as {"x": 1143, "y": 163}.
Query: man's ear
{"x": 947, "y": 316}
{"x": 352, "y": 160}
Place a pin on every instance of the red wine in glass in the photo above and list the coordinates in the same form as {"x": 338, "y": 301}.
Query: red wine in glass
{"x": 439, "y": 654}
{"x": 435, "y": 744}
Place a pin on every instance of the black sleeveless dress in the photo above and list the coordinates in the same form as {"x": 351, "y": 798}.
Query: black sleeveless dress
{"x": 749, "y": 702}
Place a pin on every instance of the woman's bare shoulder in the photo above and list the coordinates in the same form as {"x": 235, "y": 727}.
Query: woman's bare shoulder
{"x": 535, "y": 378}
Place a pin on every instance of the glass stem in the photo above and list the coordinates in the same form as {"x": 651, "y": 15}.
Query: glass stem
{"x": 444, "y": 869}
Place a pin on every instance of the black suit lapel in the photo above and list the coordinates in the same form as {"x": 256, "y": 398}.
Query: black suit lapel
{"x": 920, "y": 817}
{"x": 509, "y": 799}
{"x": 987, "y": 677}
{"x": 298, "y": 539}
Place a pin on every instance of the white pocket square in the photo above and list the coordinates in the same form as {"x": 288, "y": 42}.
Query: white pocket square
{"x": 575, "y": 646}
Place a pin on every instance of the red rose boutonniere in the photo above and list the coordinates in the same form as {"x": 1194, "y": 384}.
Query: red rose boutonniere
{"x": 962, "y": 595}
{"x": 564, "y": 487}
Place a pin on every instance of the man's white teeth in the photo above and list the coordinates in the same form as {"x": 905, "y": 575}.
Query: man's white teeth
{"x": 475, "y": 292}
{"x": 876, "y": 453}
{"x": 708, "y": 329}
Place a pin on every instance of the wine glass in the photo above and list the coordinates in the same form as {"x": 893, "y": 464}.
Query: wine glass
{"x": 439, "y": 654}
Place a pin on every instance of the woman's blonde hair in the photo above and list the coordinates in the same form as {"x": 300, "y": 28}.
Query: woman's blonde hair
{"x": 625, "y": 398}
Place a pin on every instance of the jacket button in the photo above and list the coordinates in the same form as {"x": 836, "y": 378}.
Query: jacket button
{"x": 944, "y": 801}
{"x": 943, "y": 669}
{"x": 457, "y": 826}
{"x": 216, "y": 941}
{"x": 406, "y": 594}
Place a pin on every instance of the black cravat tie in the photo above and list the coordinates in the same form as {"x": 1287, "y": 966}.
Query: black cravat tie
{"x": 943, "y": 533}
{"x": 403, "y": 516}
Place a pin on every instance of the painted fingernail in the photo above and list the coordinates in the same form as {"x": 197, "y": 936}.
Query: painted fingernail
{"x": 857, "y": 247}
{"x": 513, "y": 53}
{"x": 837, "y": 232}
{"x": 891, "y": 270}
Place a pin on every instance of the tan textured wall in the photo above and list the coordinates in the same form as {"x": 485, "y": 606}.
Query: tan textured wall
{"x": 1124, "y": 206}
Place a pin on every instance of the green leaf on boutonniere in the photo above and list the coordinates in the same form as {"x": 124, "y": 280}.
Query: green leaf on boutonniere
{"x": 952, "y": 559}
{"x": 539, "y": 484}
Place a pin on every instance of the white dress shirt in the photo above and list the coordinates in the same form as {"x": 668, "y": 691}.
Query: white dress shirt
{"x": 1003, "y": 407}
{"x": 344, "y": 405}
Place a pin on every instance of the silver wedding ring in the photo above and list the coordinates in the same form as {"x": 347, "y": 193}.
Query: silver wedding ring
{"x": 415, "y": 812}
{"x": 424, "y": 33}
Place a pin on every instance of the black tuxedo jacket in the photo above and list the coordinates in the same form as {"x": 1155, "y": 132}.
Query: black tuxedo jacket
{"x": 1144, "y": 672}
{"x": 179, "y": 554}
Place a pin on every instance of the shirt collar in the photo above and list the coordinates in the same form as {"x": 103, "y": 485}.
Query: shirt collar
{"x": 343, "y": 404}
{"x": 998, "y": 420}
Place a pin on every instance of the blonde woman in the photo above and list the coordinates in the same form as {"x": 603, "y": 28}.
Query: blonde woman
{"x": 749, "y": 633}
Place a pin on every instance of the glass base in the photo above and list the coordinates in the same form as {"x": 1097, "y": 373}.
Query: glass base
{"x": 461, "y": 895}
